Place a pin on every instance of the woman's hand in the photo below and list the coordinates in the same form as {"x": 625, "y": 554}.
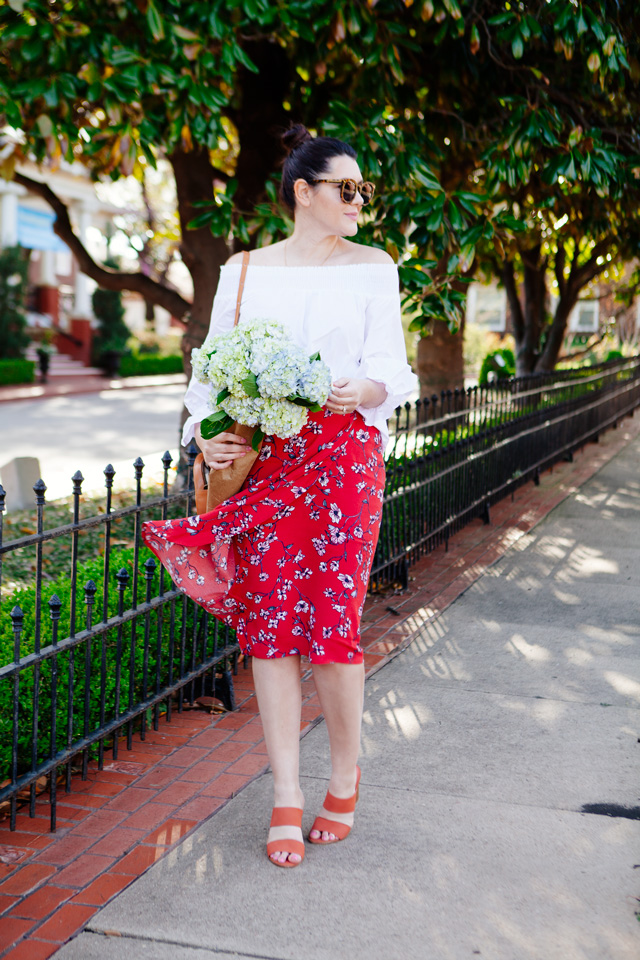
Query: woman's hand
{"x": 222, "y": 450}
{"x": 348, "y": 393}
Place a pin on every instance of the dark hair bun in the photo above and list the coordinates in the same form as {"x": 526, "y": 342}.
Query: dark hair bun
{"x": 295, "y": 136}
{"x": 307, "y": 158}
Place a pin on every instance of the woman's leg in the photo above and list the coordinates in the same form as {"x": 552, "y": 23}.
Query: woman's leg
{"x": 340, "y": 689}
{"x": 277, "y": 684}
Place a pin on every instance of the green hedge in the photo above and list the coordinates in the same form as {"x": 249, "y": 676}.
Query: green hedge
{"x": 614, "y": 355}
{"x": 504, "y": 368}
{"x": 17, "y": 371}
{"x": 157, "y": 656}
{"x": 144, "y": 365}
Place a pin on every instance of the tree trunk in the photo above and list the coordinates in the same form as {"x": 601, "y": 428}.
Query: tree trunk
{"x": 535, "y": 296}
{"x": 557, "y": 332}
{"x": 440, "y": 359}
{"x": 202, "y": 253}
{"x": 260, "y": 118}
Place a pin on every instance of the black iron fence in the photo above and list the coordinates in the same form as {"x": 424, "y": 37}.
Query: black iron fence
{"x": 453, "y": 456}
{"x": 83, "y": 660}
{"x": 106, "y": 648}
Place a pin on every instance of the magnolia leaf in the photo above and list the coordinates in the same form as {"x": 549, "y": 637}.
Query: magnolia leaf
{"x": 594, "y": 62}
{"x": 427, "y": 10}
{"x": 44, "y": 124}
{"x": 453, "y": 8}
{"x": 154, "y": 20}
{"x": 474, "y": 42}
{"x": 183, "y": 33}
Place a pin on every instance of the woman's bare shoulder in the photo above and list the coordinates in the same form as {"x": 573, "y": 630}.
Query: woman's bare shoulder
{"x": 359, "y": 253}
{"x": 271, "y": 254}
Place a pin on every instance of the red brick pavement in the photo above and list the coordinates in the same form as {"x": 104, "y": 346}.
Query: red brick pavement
{"x": 115, "y": 825}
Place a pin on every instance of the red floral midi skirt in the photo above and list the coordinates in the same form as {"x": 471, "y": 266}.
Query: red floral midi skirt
{"x": 286, "y": 561}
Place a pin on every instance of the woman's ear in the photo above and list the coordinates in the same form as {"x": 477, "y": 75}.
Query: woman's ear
{"x": 302, "y": 192}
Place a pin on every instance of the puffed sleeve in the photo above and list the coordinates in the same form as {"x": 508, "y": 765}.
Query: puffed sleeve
{"x": 196, "y": 399}
{"x": 384, "y": 355}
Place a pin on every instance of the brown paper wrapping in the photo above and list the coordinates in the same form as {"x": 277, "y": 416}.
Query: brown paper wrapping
{"x": 213, "y": 487}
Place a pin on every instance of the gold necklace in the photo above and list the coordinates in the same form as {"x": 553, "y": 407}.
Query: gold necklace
{"x": 331, "y": 252}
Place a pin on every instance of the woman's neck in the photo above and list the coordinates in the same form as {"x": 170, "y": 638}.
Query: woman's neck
{"x": 303, "y": 249}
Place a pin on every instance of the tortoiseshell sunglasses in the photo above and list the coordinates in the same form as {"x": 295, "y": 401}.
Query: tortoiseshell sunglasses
{"x": 349, "y": 188}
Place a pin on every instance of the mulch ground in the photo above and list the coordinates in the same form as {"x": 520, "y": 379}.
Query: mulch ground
{"x": 113, "y": 826}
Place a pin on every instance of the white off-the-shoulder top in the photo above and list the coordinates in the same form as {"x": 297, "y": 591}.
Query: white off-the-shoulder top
{"x": 349, "y": 313}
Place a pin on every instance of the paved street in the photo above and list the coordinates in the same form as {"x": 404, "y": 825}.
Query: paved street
{"x": 87, "y": 431}
{"x": 486, "y": 745}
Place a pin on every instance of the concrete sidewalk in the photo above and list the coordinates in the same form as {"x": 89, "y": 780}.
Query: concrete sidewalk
{"x": 484, "y": 744}
{"x": 87, "y": 380}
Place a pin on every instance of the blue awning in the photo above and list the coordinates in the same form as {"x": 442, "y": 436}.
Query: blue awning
{"x": 35, "y": 231}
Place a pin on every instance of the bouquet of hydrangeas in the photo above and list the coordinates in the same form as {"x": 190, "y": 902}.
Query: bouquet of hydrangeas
{"x": 260, "y": 378}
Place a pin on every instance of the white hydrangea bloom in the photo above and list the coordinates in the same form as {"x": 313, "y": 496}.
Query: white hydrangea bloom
{"x": 282, "y": 376}
{"x": 261, "y": 352}
{"x": 245, "y": 410}
{"x": 282, "y": 418}
{"x": 315, "y": 382}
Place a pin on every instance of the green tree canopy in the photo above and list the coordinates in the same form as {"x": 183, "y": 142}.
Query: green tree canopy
{"x": 468, "y": 113}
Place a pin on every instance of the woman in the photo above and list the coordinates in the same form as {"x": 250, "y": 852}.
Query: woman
{"x": 287, "y": 560}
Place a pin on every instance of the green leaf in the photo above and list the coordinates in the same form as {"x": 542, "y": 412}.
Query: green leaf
{"x": 51, "y": 97}
{"x": 250, "y": 386}
{"x": 211, "y": 426}
{"x": 517, "y": 47}
{"x": 426, "y": 179}
{"x": 434, "y": 222}
{"x": 223, "y": 395}
{"x": 500, "y": 19}
{"x": 242, "y": 232}
{"x": 154, "y": 20}
{"x": 203, "y": 220}
{"x": 256, "y": 440}
{"x": 44, "y": 124}
{"x": 245, "y": 59}
{"x": 32, "y": 49}
{"x": 184, "y": 33}
{"x": 455, "y": 217}
{"x": 212, "y": 97}
{"x": 314, "y": 356}
{"x": 218, "y": 415}
{"x": 303, "y": 402}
